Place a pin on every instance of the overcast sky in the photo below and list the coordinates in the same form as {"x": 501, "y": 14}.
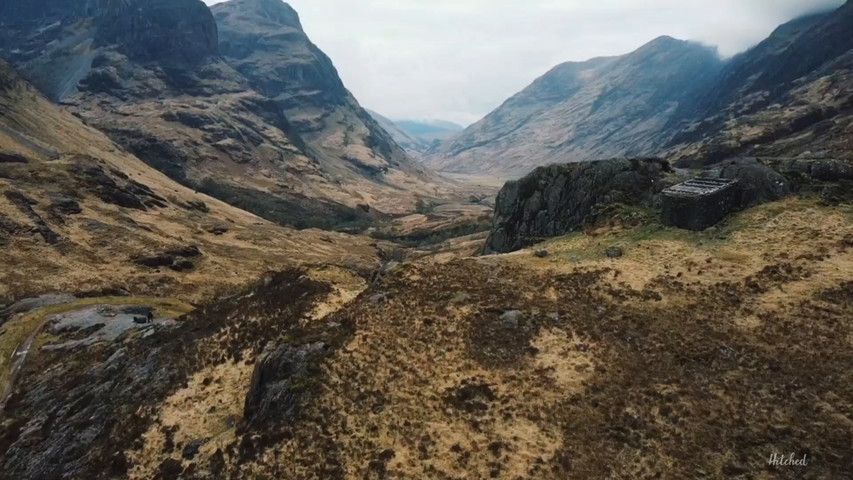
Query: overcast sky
{"x": 459, "y": 59}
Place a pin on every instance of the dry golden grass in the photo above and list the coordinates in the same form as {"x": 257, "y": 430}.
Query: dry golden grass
{"x": 92, "y": 259}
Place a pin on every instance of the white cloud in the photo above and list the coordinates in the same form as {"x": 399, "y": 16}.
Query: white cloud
{"x": 459, "y": 59}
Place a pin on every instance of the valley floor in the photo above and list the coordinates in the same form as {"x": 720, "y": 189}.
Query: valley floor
{"x": 692, "y": 355}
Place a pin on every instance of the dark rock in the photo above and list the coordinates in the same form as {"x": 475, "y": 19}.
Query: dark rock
{"x": 177, "y": 259}
{"x": 62, "y": 207}
{"x": 757, "y": 182}
{"x": 154, "y": 261}
{"x": 217, "y": 229}
{"x": 279, "y": 383}
{"x": 181, "y": 264}
{"x": 378, "y": 298}
{"x": 12, "y": 157}
{"x": 169, "y": 469}
{"x": 114, "y": 291}
{"x": 512, "y": 319}
{"x": 557, "y": 199}
{"x": 25, "y": 205}
{"x": 541, "y": 253}
{"x": 116, "y": 188}
{"x": 834, "y": 195}
{"x": 188, "y": 251}
{"x": 614, "y": 252}
{"x": 191, "y": 449}
{"x": 196, "y": 205}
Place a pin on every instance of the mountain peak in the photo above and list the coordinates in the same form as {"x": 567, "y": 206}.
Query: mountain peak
{"x": 276, "y": 11}
{"x": 667, "y": 43}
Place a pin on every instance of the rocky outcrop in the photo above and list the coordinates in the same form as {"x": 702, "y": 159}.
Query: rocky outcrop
{"x": 12, "y": 157}
{"x": 279, "y": 382}
{"x": 82, "y": 417}
{"x": 756, "y": 182}
{"x": 557, "y": 199}
{"x": 764, "y": 180}
{"x": 179, "y": 259}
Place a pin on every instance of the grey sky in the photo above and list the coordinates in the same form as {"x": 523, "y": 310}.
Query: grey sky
{"x": 459, "y": 59}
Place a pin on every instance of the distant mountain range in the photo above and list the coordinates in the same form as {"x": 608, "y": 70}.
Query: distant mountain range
{"x": 418, "y": 136}
{"x": 789, "y": 95}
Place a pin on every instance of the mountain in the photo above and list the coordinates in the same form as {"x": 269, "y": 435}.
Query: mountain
{"x": 418, "y": 136}
{"x": 264, "y": 41}
{"x": 788, "y": 96}
{"x": 76, "y": 205}
{"x": 402, "y": 137}
{"x": 222, "y": 115}
{"x": 605, "y": 107}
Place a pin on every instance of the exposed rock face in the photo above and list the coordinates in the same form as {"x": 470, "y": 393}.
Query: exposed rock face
{"x": 757, "y": 183}
{"x": 81, "y": 418}
{"x": 606, "y": 107}
{"x": 281, "y": 137}
{"x": 764, "y": 180}
{"x": 264, "y": 40}
{"x": 557, "y": 199}
{"x": 279, "y": 383}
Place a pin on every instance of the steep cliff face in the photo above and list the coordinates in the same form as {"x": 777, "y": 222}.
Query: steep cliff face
{"x": 264, "y": 40}
{"x": 559, "y": 198}
{"x": 149, "y": 74}
{"x": 606, "y": 107}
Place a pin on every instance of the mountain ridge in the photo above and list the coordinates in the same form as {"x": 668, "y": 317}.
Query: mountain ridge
{"x": 786, "y": 96}
{"x": 206, "y": 124}
{"x": 576, "y": 111}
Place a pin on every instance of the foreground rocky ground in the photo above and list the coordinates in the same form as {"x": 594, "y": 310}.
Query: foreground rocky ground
{"x": 691, "y": 355}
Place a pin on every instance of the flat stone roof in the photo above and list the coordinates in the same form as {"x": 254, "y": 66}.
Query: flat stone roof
{"x": 699, "y": 187}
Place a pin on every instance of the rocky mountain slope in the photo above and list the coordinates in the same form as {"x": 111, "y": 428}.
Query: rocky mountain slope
{"x": 80, "y": 214}
{"x": 788, "y": 96}
{"x": 151, "y": 75}
{"x": 264, "y": 41}
{"x": 577, "y": 365}
{"x": 605, "y": 107}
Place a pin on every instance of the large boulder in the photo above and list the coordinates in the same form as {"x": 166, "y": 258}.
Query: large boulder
{"x": 757, "y": 182}
{"x": 557, "y": 199}
{"x": 768, "y": 180}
